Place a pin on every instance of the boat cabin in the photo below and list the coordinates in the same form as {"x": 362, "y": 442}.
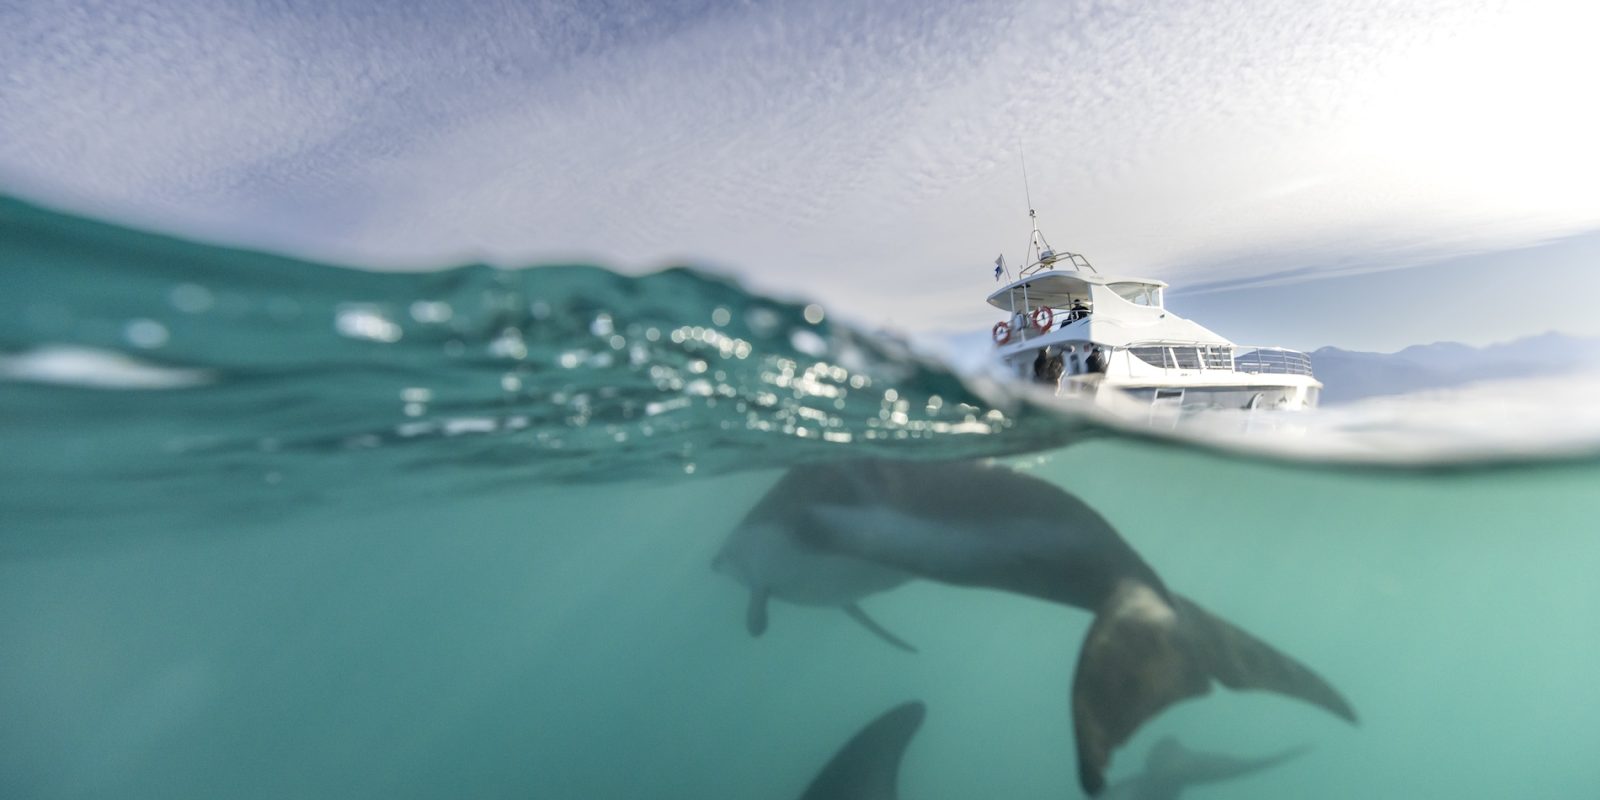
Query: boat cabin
{"x": 1045, "y": 302}
{"x": 1062, "y": 289}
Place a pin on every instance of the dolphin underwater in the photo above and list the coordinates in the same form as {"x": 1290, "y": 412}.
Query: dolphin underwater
{"x": 765, "y": 554}
{"x": 969, "y": 524}
{"x": 868, "y": 766}
{"x": 1170, "y": 768}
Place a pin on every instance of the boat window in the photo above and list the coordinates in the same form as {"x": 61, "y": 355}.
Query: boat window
{"x": 1154, "y": 356}
{"x": 1185, "y": 356}
{"x": 1139, "y": 294}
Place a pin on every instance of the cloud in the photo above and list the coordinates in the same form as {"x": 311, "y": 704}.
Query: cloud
{"x": 866, "y": 154}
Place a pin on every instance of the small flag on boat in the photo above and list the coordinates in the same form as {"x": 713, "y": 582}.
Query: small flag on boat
{"x": 999, "y": 266}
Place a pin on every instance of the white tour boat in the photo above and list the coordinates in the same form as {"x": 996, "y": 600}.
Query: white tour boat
{"x": 1112, "y": 339}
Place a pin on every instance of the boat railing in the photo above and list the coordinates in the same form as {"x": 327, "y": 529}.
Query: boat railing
{"x": 1271, "y": 361}
{"x": 1049, "y": 259}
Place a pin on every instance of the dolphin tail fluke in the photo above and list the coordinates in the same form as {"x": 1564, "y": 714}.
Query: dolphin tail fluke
{"x": 1179, "y": 766}
{"x": 1134, "y": 663}
{"x": 857, "y": 614}
{"x": 1143, "y": 654}
{"x": 868, "y": 766}
{"x": 1241, "y": 661}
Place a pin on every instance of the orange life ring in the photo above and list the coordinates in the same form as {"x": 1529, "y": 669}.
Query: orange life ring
{"x": 1002, "y": 333}
{"x": 1043, "y": 318}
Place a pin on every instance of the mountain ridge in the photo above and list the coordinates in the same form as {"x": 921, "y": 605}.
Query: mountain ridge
{"x": 1350, "y": 375}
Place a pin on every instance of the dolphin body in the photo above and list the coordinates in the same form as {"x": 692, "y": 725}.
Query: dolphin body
{"x": 868, "y": 766}
{"x": 766, "y": 555}
{"x": 970, "y": 524}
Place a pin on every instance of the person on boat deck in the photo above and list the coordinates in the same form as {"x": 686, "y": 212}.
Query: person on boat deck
{"x": 1054, "y": 369}
{"x": 1076, "y": 312}
{"x": 1049, "y": 368}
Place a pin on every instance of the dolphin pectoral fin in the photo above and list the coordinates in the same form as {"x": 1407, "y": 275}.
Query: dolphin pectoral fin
{"x": 857, "y": 614}
{"x": 1176, "y": 765}
{"x": 1241, "y": 661}
{"x": 868, "y": 766}
{"x": 1143, "y": 655}
{"x": 1135, "y": 663}
{"x": 755, "y": 614}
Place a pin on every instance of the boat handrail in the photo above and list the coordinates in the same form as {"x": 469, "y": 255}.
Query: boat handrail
{"x": 1268, "y": 360}
{"x": 1211, "y": 343}
{"x": 1078, "y": 261}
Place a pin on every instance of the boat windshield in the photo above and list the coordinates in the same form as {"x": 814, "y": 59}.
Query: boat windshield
{"x": 1139, "y": 294}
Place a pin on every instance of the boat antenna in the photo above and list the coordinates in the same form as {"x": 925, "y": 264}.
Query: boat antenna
{"x": 1025, "y": 192}
{"x": 1037, "y": 254}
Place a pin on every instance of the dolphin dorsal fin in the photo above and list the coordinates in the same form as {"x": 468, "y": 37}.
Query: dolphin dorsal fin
{"x": 868, "y": 766}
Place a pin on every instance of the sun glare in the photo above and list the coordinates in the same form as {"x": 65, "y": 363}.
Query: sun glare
{"x": 1498, "y": 111}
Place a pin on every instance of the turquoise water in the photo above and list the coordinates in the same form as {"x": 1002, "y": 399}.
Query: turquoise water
{"x": 273, "y": 529}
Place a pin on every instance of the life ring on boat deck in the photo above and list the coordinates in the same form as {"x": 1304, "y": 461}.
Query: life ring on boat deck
{"x": 1043, "y": 318}
{"x": 1002, "y": 333}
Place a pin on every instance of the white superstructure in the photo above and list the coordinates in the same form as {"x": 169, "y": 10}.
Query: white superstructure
{"x": 1112, "y": 338}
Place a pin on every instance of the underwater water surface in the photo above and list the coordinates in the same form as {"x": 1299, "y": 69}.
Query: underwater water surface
{"x": 275, "y": 529}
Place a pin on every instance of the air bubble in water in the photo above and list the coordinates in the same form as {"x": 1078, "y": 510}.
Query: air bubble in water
{"x": 145, "y": 333}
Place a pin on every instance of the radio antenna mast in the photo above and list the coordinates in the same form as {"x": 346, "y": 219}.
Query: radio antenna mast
{"x": 1038, "y": 250}
{"x": 1025, "y": 192}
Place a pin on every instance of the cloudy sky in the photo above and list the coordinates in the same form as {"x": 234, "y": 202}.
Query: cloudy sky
{"x": 1276, "y": 161}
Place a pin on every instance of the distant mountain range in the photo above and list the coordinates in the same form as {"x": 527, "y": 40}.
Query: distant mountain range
{"x": 1349, "y": 375}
